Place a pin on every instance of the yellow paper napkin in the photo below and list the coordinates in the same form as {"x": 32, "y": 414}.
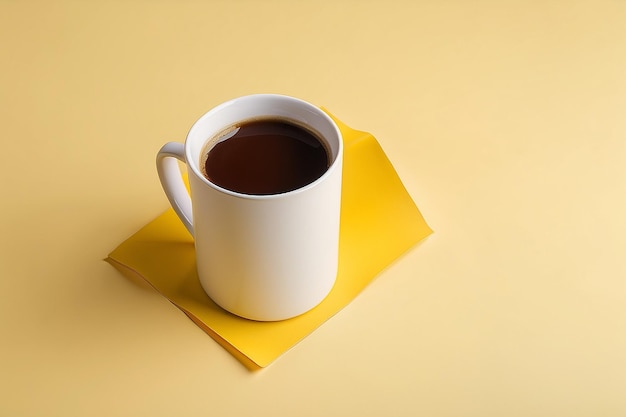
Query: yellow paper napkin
{"x": 379, "y": 222}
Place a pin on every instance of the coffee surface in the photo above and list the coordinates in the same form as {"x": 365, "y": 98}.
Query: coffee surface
{"x": 265, "y": 157}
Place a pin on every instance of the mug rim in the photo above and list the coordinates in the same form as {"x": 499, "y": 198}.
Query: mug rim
{"x": 192, "y": 164}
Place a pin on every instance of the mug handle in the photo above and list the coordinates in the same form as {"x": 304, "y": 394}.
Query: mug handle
{"x": 172, "y": 181}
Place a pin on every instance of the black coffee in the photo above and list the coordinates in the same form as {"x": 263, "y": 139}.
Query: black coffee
{"x": 265, "y": 157}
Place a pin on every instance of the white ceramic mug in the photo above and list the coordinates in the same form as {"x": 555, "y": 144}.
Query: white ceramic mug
{"x": 262, "y": 257}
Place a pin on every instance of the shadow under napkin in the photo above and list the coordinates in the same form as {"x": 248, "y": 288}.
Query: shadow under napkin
{"x": 379, "y": 222}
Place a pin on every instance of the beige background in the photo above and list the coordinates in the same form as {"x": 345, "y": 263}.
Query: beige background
{"x": 505, "y": 120}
